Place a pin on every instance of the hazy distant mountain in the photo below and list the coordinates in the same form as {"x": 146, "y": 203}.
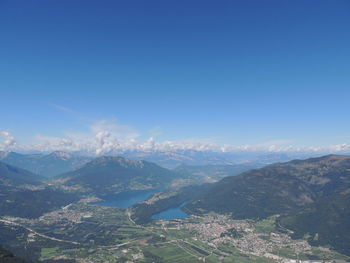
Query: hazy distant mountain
{"x": 59, "y": 162}
{"x": 173, "y": 159}
{"x": 106, "y": 175}
{"x": 214, "y": 172}
{"x": 47, "y": 165}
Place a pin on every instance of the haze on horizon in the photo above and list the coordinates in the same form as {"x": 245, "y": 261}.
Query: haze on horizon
{"x": 173, "y": 75}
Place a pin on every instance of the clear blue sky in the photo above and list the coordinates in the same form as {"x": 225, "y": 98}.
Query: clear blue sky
{"x": 241, "y": 72}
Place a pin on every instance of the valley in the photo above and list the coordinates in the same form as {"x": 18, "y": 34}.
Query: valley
{"x": 114, "y": 209}
{"x": 82, "y": 232}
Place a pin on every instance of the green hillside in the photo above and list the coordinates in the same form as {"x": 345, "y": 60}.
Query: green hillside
{"x": 108, "y": 175}
{"x": 325, "y": 222}
{"x": 14, "y": 176}
{"x": 276, "y": 188}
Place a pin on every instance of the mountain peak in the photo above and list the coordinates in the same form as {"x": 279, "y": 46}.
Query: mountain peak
{"x": 112, "y": 174}
{"x": 122, "y": 161}
{"x": 61, "y": 154}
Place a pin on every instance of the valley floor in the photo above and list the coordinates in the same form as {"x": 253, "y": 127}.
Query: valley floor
{"x": 82, "y": 232}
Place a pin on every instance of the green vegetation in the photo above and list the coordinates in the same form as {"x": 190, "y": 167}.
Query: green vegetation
{"x": 15, "y": 177}
{"x": 326, "y": 222}
{"x": 286, "y": 252}
{"x": 167, "y": 253}
{"x": 234, "y": 255}
{"x": 319, "y": 253}
{"x": 267, "y": 225}
{"x": 48, "y": 252}
{"x": 276, "y": 189}
{"x": 23, "y": 195}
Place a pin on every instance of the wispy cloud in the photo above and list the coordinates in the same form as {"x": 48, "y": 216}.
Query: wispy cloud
{"x": 155, "y": 131}
{"x": 70, "y": 112}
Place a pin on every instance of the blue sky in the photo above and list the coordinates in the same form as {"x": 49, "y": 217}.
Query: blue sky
{"x": 227, "y": 72}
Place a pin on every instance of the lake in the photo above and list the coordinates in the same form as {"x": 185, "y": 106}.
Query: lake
{"x": 127, "y": 199}
{"x": 171, "y": 213}
{"x": 130, "y": 198}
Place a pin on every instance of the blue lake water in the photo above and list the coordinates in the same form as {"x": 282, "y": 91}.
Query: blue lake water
{"x": 126, "y": 199}
{"x": 171, "y": 213}
{"x": 130, "y": 198}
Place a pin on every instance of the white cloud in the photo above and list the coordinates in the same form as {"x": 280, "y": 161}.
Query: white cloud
{"x": 101, "y": 137}
{"x": 117, "y": 130}
{"x": 48, "y": 143}
{"x": 108, "y": 136}
{"x": 9, "y": 141}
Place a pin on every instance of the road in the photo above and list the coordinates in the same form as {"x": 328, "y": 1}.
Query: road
{"x": 37, "y": 233}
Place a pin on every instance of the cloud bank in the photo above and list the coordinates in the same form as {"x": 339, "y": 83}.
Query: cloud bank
{"x": 109, "y": 137}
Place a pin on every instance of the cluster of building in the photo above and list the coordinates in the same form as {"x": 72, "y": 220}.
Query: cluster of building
{"x": 242, "y": 234}
{"x": 70, "y": 215}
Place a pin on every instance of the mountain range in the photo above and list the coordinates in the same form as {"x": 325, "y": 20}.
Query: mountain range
{"x": 47, "y": 165}
{"x": 58, "y": 162}
{"x": 212, "y": 173}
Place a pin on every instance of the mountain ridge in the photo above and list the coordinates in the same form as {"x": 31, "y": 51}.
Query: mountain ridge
{"x": 108, "y": 175}
{"x": 47, "y": 165}
{"x": 278, "y": 187}
{"x": 14, "y": 176}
